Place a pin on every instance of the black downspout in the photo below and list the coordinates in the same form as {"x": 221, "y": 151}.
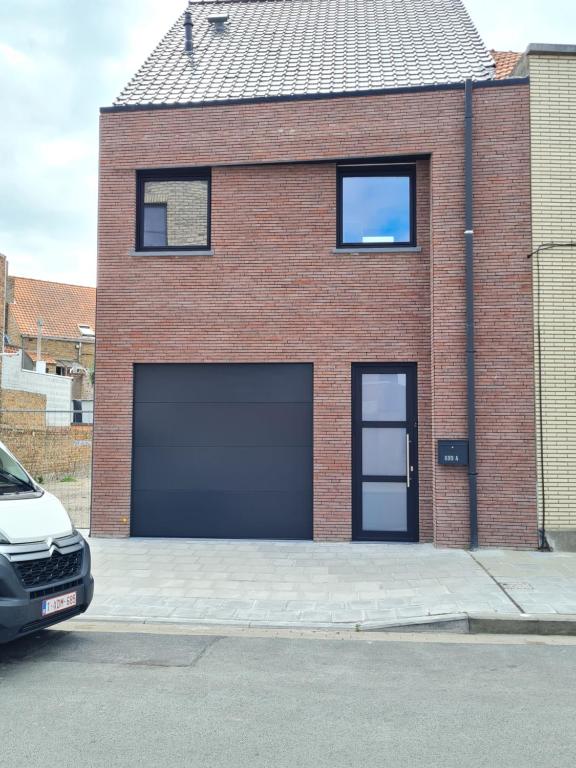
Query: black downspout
{"x": 470, "y": 362}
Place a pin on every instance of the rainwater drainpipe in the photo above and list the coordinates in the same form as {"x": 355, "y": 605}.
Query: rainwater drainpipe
{"x": 470, "y": 362}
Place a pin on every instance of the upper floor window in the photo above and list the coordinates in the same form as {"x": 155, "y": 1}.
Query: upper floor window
{"x": 173, "y": 210}
{"x": 376, "y": 206}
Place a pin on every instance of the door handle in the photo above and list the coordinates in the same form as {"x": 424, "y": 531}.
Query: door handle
{"x": 407, "y": 460}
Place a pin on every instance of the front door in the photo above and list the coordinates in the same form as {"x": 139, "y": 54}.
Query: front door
{"x": 384, "y": 453}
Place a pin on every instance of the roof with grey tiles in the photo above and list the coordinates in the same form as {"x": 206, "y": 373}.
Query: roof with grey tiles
{"x": 291, "y": 48}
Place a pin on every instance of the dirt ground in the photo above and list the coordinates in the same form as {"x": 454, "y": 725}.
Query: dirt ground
{"x": 75, "y": 496}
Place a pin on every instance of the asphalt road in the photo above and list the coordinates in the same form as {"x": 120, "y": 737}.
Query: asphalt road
{"x": 71, "y": 698}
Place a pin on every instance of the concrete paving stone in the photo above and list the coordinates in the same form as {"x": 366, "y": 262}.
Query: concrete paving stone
{"x": 341, "y": 596}
{"x": 404, "y": 594}
{"x": 302, "y": 605}
{"x": 444, "y": 607}
{"x": 345, "y": 617}
{"x": 283, "y": 616}
{"x": 145, "y": 591}
{"x": 315, "y": 617}
{"x": 314, "y": 578}
{"x": 254, "y": 615}
{"x": 374, "y": 611}
{"x": 410, "y": 611}
{"x": 258, "y": 594}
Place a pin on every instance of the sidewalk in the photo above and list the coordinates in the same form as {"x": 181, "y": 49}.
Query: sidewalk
{"x": 316, "y": 584}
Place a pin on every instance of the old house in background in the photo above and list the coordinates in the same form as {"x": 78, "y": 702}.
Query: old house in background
{"x": 54, "y": 326}
{"x": 47, "y": 361}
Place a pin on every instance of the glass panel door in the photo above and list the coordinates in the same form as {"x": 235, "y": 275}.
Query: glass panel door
{"x": 384, "y": 453}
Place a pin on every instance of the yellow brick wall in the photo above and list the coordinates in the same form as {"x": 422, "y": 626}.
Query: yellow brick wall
{"x": 553, "y": 129}
{"x": 63, "y": 350}
{"x": 23, "y": 409}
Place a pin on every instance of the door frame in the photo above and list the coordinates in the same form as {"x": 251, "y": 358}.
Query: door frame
{"x": 411, "y": 371}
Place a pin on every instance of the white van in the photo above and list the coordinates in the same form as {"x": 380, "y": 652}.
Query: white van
{"x": 44, "y": 562}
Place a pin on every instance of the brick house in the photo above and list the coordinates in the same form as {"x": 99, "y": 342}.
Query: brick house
{"x": 282, "y": 346}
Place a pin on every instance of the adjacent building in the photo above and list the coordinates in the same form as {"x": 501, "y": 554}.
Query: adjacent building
{"x": 552, "y": 72}
{"x": 314, "y": 298}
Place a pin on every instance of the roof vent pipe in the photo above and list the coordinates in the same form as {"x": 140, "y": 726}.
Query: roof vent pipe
{"x": 218, "y": 20}
{"x": 188, "y": 31}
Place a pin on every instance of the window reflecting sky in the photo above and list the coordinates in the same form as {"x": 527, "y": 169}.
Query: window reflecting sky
{"x": 376, "y": 209}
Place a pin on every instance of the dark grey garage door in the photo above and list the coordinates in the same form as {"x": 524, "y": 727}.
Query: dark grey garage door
{"x": 222, "y": 451}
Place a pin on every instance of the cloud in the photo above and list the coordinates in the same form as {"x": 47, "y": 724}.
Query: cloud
{"x": 60, "y": 60}
{"x": 13, "y": 57}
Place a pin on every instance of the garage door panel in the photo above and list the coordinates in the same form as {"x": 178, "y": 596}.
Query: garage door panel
{"x": 217, "y": 514}
{"x": 222, "y": 424}
{"x": 222, "y": 450}
{"x": 222, "y": 468}
{"x": 222, "y": 383}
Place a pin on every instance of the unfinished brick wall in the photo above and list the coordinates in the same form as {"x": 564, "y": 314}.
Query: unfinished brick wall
{"x": 23, "y": 409}
{"x": 49, "y": 452}
{"x": 274, "y": 291}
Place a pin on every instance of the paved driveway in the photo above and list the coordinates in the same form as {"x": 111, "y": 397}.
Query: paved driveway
{"x": 305, "y": 583}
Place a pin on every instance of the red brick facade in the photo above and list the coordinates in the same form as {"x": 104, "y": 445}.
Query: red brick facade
{"x": 274, "y": 291}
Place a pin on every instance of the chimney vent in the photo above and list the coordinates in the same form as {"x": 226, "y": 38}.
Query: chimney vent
{"x": 188, "y": 31}
{"x": 218, "y": 20}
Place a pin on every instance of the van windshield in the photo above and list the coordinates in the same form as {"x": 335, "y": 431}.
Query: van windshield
{"x": 13, "y": 479}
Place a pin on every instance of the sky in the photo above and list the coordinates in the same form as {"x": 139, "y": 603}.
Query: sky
{"x": 60, "y": 60}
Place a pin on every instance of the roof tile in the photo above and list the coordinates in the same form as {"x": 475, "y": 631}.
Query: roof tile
{"x": 283, "y": 48}
{"x": 505, "y": 62}
{"x": 62, "y": 307}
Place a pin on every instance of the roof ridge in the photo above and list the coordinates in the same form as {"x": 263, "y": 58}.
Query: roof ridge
{"x": 52, "y": 282}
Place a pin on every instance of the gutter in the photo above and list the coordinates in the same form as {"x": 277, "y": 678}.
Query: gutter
{"x": 470, "y": 353}
{"x": 408, "y": 89}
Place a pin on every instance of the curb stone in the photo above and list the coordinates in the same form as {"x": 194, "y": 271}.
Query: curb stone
{"x": 459, "y": 623}
{"x": 523, "y": 624}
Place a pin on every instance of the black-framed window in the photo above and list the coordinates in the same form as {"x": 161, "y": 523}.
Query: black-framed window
{"x": 376, "y": 206}
{"x": 173, "y": 210}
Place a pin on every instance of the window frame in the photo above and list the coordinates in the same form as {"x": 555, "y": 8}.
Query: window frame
{"x": 382, "y": 170}
{"x": 172, "y": 174}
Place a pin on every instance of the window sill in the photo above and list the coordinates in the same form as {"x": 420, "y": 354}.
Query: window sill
{"x": 204, "y": 252}
{"x": 399, "y": 249}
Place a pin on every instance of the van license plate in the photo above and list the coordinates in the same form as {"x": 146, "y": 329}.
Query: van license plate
{"x": 60, "y": 603}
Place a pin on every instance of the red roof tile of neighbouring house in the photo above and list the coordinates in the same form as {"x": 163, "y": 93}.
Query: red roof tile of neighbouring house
{"x": 62, "y": 307}
{"x": 505, "y": 62}
{"x": 45, "y": 358}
